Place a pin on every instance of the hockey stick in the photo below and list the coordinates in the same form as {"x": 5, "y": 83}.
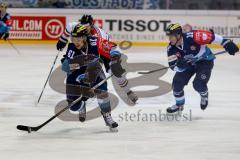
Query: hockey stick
{"x": 40, "y": 96}
{"x": 15, "y": 48}
{"x": 29, "y": 129}
{"x": 156, "y": 70}
{"x": 231, "y": 36}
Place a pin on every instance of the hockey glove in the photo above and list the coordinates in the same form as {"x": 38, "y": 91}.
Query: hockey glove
{"x": 60, "y": 45}
{"x": 63, "y": 59}
{"x": 230, "y": 46}
{"x": 181, "y": 63}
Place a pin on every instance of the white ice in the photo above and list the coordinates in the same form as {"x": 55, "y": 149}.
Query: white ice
{"x": 213, "y": 134}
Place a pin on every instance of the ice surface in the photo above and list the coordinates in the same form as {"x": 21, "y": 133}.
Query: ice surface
{"x": 212, "y": 134}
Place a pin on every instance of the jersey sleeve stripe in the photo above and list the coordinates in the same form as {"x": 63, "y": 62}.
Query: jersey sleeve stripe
{"x": 172, "y": 58}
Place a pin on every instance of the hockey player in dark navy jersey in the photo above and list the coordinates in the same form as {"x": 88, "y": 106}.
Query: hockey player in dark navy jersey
{"x": 189, "y": 55}
{"x": 5, "y": 22}
{"x": 82, "y": 64}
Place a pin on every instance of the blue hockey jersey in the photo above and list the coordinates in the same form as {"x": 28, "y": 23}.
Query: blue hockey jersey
{"x": 193, "y": 49}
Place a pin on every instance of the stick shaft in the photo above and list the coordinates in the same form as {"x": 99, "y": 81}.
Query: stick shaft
{"x": 15, "y": 48}
{"x": 54, "y": 62}
{"x": 156, "y": 70}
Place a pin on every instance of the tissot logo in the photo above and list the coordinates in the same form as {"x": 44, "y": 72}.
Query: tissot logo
{"x": 129, "y": 25}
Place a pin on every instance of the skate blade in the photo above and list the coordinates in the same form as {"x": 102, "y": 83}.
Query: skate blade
{"x": 178, "y": 113}
{"x": 130, "y": 102}
{"x": 113, "y": 129}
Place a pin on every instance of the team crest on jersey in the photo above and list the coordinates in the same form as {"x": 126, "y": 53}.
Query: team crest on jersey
{"x": 193, "y": 48}
{"x": 203, "y": 76}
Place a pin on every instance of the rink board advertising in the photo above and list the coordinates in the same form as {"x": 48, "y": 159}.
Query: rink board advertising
{"x": 152, "y": 28}
{"x": 37, "y": 27}
{"x": 143, "y": 29}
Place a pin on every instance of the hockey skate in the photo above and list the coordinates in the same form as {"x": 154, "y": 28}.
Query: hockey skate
{"x": 175, "y": 109}
{"x": 82, "y": 112}
{"x": 110, "y": 122}
{"x": 132, "y": 97}
{"x": 204, "y": 102}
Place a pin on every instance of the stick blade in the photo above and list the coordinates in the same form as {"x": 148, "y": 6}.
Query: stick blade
{"x": 143, "y": 72}
{"x": 24, "y": 128}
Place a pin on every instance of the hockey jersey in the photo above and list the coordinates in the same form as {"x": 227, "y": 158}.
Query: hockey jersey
{"x": 96, "y": 46}
{"x": 193, "y": 49}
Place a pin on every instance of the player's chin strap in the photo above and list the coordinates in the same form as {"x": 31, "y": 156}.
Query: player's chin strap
{"x": 160, "y": 69}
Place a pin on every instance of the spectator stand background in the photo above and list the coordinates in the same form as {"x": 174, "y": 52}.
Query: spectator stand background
{"x": 128, "y": 4}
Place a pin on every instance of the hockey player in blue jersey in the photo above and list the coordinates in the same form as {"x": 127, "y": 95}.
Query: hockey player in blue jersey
{"x": 189, "y": 55}
{"x": 5, "y": 22}
{"x": 82, "y": 64}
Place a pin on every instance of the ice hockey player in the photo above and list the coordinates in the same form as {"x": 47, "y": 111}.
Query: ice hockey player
{"x": 93, "y": 30}
{"x": 189, "y": 55}
{"x": 5, "y": 22}
{"x": 81, "y": 63}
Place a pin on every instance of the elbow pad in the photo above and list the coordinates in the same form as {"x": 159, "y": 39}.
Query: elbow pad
{"x": 115, "y": 63}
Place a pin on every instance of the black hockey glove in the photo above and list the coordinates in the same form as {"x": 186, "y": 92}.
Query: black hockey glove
{"x": 230, "y": 46}
{"x": 181, "y": 63}
{"x": 6, "y": 36}
{"x": 60, "y": 45}
{"x": 63, "y": 59}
